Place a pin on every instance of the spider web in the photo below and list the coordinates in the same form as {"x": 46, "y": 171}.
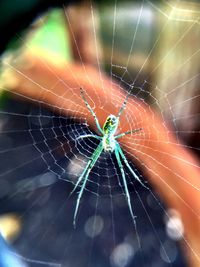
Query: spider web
{"x": 41, "y": 158}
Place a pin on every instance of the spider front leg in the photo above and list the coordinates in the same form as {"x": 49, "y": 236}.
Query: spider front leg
{"x": 129, "y": 167}
{"x": 91, "y": 111}
{"x": 125, "y": 185}
{"x": 85, "y": 175}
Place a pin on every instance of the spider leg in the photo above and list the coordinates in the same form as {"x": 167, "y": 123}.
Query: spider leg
{"x": 125, "y": 185}
{"x": 89, "y": 135}
{"x": 81, "y": 177}
{"x": 129, "y": 132}
{"x": 91, "y": 111}
{"x": 85, "y": 175}
{"x": 125, "y": 103}
{"x": 123, "y": 106}
{"x": 127, "y": 164}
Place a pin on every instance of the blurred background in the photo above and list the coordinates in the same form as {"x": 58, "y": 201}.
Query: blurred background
{"x": 156, "y": 42}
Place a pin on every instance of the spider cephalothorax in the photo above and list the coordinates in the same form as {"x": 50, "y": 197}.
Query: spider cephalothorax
{"x": 108, "y": 143}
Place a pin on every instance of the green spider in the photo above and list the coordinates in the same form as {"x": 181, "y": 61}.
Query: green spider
{"x": 109, "y": 144}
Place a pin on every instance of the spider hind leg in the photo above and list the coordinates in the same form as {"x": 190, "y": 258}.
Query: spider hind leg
{"x": 91, "y": 111}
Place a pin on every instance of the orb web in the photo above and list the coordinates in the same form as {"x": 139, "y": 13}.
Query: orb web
{"x": 46, "y": 158}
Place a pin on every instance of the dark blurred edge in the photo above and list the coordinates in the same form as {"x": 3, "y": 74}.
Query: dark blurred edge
{"x": 7, "y": 256}
{"x": 17, "y": 15}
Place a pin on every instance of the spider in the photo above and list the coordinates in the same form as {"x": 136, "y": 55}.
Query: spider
{"x": 108, "y": 144}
